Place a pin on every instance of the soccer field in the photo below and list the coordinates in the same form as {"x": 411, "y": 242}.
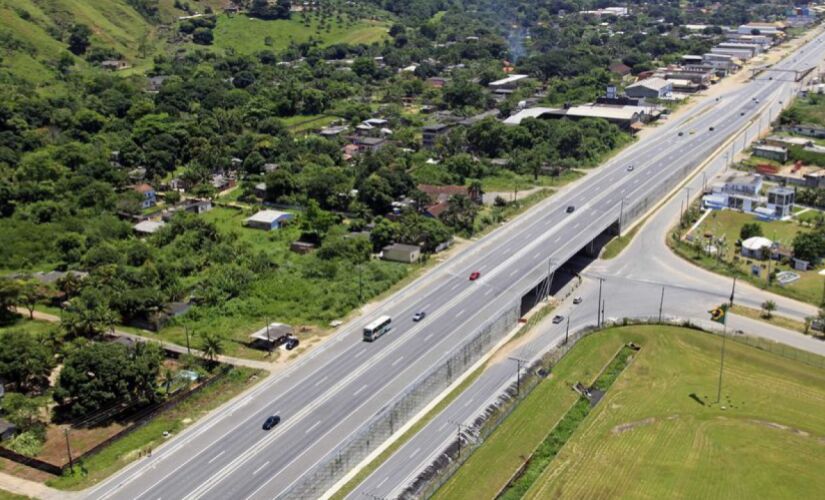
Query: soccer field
{"x": 652, "y": 436}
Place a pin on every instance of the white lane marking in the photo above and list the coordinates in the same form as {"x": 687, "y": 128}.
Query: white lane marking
{"x": 261, "y": 467}
{"x": 514, "y": 272}
{"x": 488, "y": 292}
{"x": 360, "y": 353}
{"x": 216, "y": 456}
{"x": 557, "y": 239}
{"x": 537, "y": 254}
{"x": 428, "y": 337}
{"x": 468, "y": 402}
{"x": 426, "y": 306}
{"x": 443, "y": 426}
{"x": 415, "y": 452}
{"x": 397, "y": 361}
{"x": 382, "y": 482}
{"x": 455, "y": 286}
{"x": 321, "y": 381}
{"x": 577, "y": 225}
{"x": 359, "y": 391}
{"x": 459, "y": 313}
{"x": 313, "y": 426}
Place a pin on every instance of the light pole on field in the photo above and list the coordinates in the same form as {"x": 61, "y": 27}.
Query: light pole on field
{"x": 519, "y": 362}
{"x": 599, "y": 305}
{"x": 661, "y": 303}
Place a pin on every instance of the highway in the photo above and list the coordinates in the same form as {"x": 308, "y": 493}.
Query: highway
{"x": 328, "y": 395}
{"x": 632, "y": 286}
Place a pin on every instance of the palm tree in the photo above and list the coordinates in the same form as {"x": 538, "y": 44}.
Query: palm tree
{"x": 768, "y": 307}
{"x": 211, "y": 346}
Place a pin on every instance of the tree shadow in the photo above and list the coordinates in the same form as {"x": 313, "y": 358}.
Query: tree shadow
{"x": 696, "y": 398}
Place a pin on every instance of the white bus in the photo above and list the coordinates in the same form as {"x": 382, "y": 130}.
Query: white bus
{"x": 377, "y": 328}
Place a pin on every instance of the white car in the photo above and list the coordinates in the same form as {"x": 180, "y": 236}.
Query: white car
{"x": 577, "y": 300}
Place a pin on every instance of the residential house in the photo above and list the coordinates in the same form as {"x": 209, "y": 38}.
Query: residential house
{"x": 510, "y": 82}
{"x": 196, "y": 207}
{"x": 735, "y": 190}
{"x": 808, "y": 130}
{"x": 333, "y": 131}
{"x": 756, "y": 247}
{"x": 776, "y": 153}
{"x": 436, "y": 82}
{"x": 148, "y": 227}
{"x": 222, "y": 182}
{"x": 398, "y": 252}
{"x": 369, "y": 143}
{"x": 149, "y": 195}
{"x": 260, "y": 190}
{"x": 780, "y": 201}
{"x": 620, "y": 69}
{"x": 268, "y": 220}
{"x": 114, "y": 65}
{"x": 651, "y": 88}
{"x": 272, "y": 335}
{"x": 349, "y": 151}
{"x": 431, "y": 133}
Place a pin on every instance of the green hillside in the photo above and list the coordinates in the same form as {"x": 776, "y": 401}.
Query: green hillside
{"x": 247, "y": 35}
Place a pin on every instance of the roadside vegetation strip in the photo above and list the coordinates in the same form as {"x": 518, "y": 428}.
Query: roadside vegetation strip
{"x": 492, "y": 465}
{"x": 659, "y": 431}
{"x": 122, "y": 452}
{"x": 7, "y": 495}
{"x": 774, "y": 319}
{"x": 561, "y": 433}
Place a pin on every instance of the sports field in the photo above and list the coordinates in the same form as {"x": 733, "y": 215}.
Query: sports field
{"x": 658, "y": 434}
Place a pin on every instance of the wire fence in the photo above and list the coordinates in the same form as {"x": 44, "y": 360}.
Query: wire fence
{"x": 393, "y": 416}
{"x": 445, "y": 465}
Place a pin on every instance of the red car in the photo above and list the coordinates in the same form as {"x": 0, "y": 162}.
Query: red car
{"x": 474, "y": 275}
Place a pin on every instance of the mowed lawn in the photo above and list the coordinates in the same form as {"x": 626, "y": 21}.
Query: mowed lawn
{"x": 248, "y": 35}
{"x": 650, "y": 439}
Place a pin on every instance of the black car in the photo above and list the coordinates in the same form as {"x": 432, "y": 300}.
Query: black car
{"x": 291, "y": 343}
{"x": 681, "y": 134}
{"x": 558, "y": 319}
{"x": 419, "y": 316}
{"x": 570, "y": 209}
{"x": 711, "y": 129}
{"x": 271, "y": 422}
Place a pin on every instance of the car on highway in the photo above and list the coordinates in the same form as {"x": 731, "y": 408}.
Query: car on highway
{"x": 419, "y": 316}
{"x": 570, "y": 209}
{"x": 742, "y": 113}
{"x": 558, "y": 318}
{"x": 271, "y": 422}
{"x": 474, "y": 275}
{"x": 577, "y": 300}
{"x": 681, "y": 134}
{"x": 630, "y": 168}
{"x": 711, "y": 129}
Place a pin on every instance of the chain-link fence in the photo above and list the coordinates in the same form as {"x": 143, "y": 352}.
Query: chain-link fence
{"x": 473, "y": 436}
{"x": 393, "y": 416}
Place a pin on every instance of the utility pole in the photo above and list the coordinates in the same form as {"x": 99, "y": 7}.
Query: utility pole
{"x": 599, "y": 305}
{"x": 704, "y": 178}
{"x": 519, "y": 362}
{"x": 459, "y": 427}
{"x": 268, "y": 339}
{"x": 68, "y": 449}
{"x": 603, "y": 301}
{"x": 621, "y": 213}
{"x": 567, "y": 330}
{"x": 360, "y": 283}
{"x": 661, "y": 303}
{"x": 687, "y": 199}
{"x": 188, "y": 348}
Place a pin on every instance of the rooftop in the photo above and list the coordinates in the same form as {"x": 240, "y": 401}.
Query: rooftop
{"x": 510, "y": 79}
{"x": 654, "y": 83}
{"x": 148, "y": 226}
{"x": 268, "y": 216}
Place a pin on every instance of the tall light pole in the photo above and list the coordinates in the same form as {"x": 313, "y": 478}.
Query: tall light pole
{"x": 661, "y": 303}
{"x": 519, "y": 362}
{"x": 599, "y": 305}
{"x": 567, "y": 330}
{"x": 68, "y": 449}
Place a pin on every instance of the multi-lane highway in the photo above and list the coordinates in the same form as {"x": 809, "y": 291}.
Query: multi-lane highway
{"x": 647, "y": 276}
{"x": 330, "y": 394}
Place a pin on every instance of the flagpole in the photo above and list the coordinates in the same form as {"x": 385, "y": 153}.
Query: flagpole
{"x": 724, "y": 338}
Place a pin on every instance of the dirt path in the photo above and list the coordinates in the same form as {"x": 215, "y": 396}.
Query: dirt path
{"x": 32, "y": 489}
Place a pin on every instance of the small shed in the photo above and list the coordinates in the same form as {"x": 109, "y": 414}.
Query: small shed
{"x": 756, "y": 247}
{"x": 271, "y": 335}
{"x": 776, "y": 153}
{"x": 7, "y": 429}
{"x": 398, "y": 252}
{"x": 268, "y": 219}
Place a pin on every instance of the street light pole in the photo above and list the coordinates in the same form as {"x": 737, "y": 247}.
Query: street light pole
{"x": 519, "y": 362}
{"x": 188, "y": 348}
{"x": 661, "y": 303}
{"x": 567, "y": 330}
{"x": 599, "y": 305}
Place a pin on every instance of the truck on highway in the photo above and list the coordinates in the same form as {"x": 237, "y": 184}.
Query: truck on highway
{"x": 377, "y": 328}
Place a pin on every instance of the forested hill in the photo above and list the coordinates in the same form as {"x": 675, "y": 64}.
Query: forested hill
{"x": 37, "y": 36}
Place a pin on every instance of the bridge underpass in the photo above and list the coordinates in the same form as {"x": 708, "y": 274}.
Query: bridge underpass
{"x": 558, "y": 277}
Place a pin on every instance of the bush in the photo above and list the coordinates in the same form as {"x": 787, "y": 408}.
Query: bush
{"x": 26, "y": 443}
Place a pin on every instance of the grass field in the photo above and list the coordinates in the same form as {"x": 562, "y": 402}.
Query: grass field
{"x": 24, "y": 324}
{"x": 5, "y": 495}
{"x": 728, "y": 223}
{"x": 649, "y": 438}
{"x": 248, "y": 35}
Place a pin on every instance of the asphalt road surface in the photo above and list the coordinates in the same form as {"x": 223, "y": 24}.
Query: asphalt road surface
{"x": 329, "y": 394}
{"x": 632, "y": 287}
